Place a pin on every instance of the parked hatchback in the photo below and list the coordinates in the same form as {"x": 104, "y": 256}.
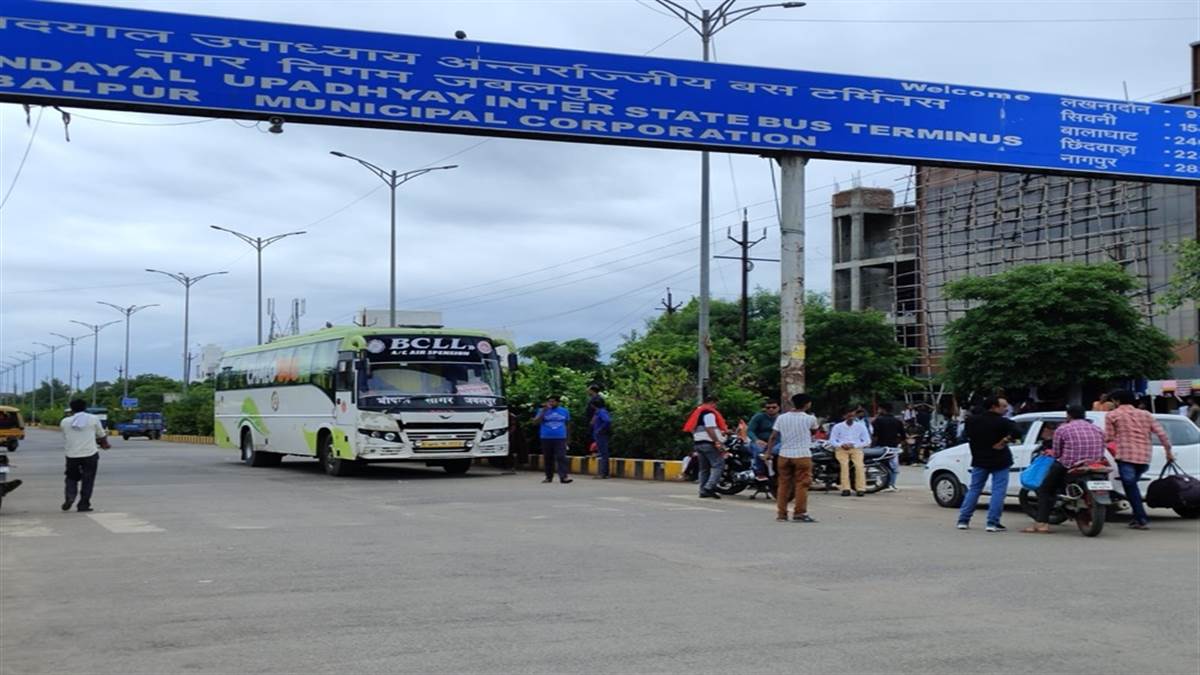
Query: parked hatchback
{"x": 949, "y": 472}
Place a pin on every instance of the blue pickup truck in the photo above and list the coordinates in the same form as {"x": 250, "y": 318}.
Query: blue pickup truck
{"x": 148, "y": 424}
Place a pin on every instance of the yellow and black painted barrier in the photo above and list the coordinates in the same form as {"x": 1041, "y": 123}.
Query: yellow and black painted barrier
{"x": 620, "y": 467}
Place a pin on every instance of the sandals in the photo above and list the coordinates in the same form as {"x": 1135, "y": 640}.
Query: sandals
{"x": 1034, "y": 529}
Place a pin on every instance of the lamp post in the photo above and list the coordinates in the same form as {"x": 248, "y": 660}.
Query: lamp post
{"x": 95, "y": 328}
{"x": 393, "y": 179}
{"x": 70, "y": 357}
{"x": 187, "y": 282}
{"x": 128, "y": 312}
{"x": 706, "y": 24}
{"x": 259, "y": 243}
{"x": 33, "y": 389}
{"x": 13, "y": 365}
{"x": 52, "y": 348}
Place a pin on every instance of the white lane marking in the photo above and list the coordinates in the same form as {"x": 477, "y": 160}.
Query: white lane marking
{"x": 123, "y": 523}
{"x": 247, "y": 527}
{"x": 669, "y": 505}
{"x": 25, "y": 527}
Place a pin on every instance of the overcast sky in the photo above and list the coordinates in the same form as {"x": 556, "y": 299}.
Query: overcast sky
{"x": 524, "y": 232}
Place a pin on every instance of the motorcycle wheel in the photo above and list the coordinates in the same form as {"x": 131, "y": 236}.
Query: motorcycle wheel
{"x": 727, "y": 487}
{"x": 878, "y": 481}
{"x": 1090, "y": 517}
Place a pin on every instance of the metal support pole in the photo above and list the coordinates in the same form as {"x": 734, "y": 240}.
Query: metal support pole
{"x": 392, "y": 286}
{"x": 187, "y": 306}
{"x": 259, "y": 246}
{"x": 704, "y": 343}
{"x": 791, "y": 288}
{"x": 125, "y": 369}
{"x": 52, "y": 349}
{"x": 95, "y": 363}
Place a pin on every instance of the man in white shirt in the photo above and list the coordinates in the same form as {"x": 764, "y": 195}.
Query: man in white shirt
{"x": 81, "y": 433}
{"x": 849, "y": 438}
{"x": 793, "y": 430}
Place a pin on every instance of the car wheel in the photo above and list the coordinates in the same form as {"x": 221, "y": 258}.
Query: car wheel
{"x": 12, "y": 446}
{"x": 1189, "y": 512}
{"x": 948, "y": 491}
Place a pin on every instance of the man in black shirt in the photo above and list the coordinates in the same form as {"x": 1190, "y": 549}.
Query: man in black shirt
{"x": 989, "y": 434}
{"x": 889, "y": 433}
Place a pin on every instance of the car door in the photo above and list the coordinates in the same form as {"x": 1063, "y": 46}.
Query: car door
{"x": 1022, "y": 452}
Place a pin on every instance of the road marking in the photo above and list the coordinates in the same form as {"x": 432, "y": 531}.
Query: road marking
{"x": 669, "y": 505}
{"x": 248, "y": 527}
{"x": 31, "y": 527}
{"x": 123, "y": 523}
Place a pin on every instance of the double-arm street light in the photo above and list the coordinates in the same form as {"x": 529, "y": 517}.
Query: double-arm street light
{"x": 259, "y": 243}
{"x": 52, "y": 348}
{"x": 95, "y": 328}
{"x": 393, "y": 179}
{"x": 187, "y": 283}
{"x": 18, "y": 379}
{"x": 128, "y": 312}
{"x": 706, "y": 24}
{"x": 70, "y": 356}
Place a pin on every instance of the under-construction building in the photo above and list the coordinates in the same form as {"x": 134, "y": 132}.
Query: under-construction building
{"x": 898, "y": 259}
{"x": 953, "y": 223}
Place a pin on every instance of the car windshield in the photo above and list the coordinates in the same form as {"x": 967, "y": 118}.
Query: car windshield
{"x": 408, "y": 379}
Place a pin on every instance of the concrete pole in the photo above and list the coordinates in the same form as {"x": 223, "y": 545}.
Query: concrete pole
{"x": 187, "y": 306}
{"x": 259, "y": 247}
{"x": 702, "y": 375}
{"x": 392, "y": 184}
{"x": 792, "y": 349}
{"x": 95, "y": 362}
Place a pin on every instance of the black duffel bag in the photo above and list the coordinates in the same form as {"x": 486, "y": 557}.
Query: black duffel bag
{"x": 1173, "y": 489}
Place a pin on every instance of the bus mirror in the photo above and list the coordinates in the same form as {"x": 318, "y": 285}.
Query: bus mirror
{"x": 512, "y": 362}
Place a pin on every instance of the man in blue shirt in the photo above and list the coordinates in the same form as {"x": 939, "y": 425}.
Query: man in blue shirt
{"x": 601, "y": 433}
{"x": 554, "y": 429}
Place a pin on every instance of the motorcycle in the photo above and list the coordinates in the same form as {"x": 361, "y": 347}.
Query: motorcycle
{"x": 6, "y": 485}
{"x": 739, "y": 475}
{"x": 1086, "y": 498}
{"x": 828, "y": 472}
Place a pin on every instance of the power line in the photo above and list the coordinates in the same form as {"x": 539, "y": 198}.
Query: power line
{"x": 983, "y": 21}
{"x": 24, "y": 157}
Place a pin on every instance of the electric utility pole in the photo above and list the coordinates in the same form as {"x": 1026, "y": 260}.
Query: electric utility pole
{"x": 747, "y": 264}
{"x": 668, "y": 305}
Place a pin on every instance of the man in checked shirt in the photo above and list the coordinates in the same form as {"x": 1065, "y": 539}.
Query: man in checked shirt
{"x": 1130, "y": 428}
{"x": 1076, "y": 441}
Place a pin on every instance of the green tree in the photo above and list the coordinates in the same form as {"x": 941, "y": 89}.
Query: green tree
{"x": 853, "y": 358}
{"x": 1184, "y": 284}
{"x": 580, "y": 355}
{"x": 537, "y": 380}
{"x": 193, "y": 412}
{"x": 1051, "y": 325}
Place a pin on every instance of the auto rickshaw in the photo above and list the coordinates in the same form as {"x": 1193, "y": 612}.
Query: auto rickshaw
{"x": 12, "y": 427}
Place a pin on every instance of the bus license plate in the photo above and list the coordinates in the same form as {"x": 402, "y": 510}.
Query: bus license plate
{"x": 1099, "y": 485}
{"x": 441, "y": 444}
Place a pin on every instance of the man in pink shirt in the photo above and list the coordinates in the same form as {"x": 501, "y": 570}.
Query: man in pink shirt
{"x": 1129, "y": 429}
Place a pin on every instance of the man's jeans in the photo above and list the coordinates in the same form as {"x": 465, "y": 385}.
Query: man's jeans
{"x": 712, "y": 465}
{"x": 756, "y": 450}
{"x": 1130, "y": 474}
{"x": 554, "y": 452}
{"x": 979, "y": 477}
{"x": 81, "y": 470}
{"x": 893, "y": 470}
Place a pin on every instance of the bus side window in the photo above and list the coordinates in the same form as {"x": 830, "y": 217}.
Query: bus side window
{"x": 345, "y": 375}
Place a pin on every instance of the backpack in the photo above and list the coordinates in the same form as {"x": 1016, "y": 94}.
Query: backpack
{"x": 1175, "y": 490}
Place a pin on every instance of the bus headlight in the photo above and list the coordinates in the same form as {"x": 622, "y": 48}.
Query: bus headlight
{"x": 491, "y": 434}
{"x": 390, "y": 437}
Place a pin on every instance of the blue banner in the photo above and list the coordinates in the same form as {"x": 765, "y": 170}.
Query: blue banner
{"x": 87, "y": 56}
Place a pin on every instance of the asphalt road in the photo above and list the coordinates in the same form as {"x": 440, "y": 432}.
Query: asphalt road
{"x": 193, "y": 563}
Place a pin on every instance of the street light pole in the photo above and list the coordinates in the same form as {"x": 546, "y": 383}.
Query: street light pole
{"x": 393, "y": 179}
{"x": 259, "y": 243}
{"x": 70, "y": 357}
{"x": 128, "y": 312}
{"x": 33, "y": 389}
{"x": 188, "y": 282}
{"x": 52, "y": 348}
{"x": 706, "y": 25}
{"x": 95, "y": 328}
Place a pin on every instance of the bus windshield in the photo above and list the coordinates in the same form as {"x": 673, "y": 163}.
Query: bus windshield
{"x": 415, "y": 379}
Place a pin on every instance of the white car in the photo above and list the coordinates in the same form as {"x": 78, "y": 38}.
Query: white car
{"x": 948, "y": 473}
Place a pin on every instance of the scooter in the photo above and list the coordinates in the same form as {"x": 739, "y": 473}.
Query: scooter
{"x": 1085, "y": 498}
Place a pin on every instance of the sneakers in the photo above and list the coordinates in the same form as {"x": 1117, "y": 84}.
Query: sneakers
{"x": 1135, "y": 525}
{"x": 963, "y": 526}
{"x": 705, "y": 494}
{"x": 845, "y": 493}
{"x": 547, "y": 480}
{"x": 781, "y": 519}
{"x": 564, "y": 481}
{"x": 804, "y": 518}
{"x": 996, "y": 527}
{"x": 893, "y": 488}
{"x": 84, "y": 509}
{"x": 66, "y": 506}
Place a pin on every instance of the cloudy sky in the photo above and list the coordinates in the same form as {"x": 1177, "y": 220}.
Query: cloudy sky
{"x": 551, "y": 240}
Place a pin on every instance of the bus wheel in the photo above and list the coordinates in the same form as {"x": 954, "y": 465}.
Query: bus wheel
{"x": 252, "y": 457}
{"x": 457, "y": 466}
{"x": 334, "y": 466}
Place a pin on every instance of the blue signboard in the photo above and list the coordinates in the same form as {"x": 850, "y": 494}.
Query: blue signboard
{"x": 129, "y": 403}
{"x": 126, "y": 59}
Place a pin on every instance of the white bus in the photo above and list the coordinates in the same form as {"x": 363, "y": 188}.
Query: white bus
{"x": 351, "y": 395}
